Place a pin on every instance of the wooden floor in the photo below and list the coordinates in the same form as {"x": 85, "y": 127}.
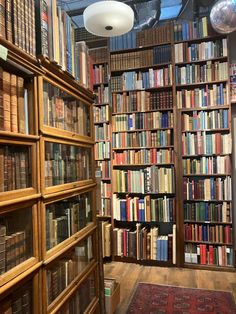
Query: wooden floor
{"x": 130, "y": 274}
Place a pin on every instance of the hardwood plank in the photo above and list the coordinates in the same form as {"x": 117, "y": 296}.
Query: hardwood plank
{"x": 130, "y": 274}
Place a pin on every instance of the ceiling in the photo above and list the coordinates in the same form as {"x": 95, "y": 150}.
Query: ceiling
{"x": 169, "y": 8}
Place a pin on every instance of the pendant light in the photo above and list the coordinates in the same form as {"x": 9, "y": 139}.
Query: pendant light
{"x": 108, "y": 18}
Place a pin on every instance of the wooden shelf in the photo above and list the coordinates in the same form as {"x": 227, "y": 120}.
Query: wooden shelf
{"x": 152, "y": 110}
{"x": 207, "y": 242}
{"x": 140, "y": 130}
{"x": 143, "y": 262}
{"x": 209, "y": 108}
{"x": 207, "y": 130}
{"x": 207, "y": 222}
{"x": 106, "y": 179}
{"x": 207, "y": 38}
{"x": 200, "y": 83}
{"x": 204, "y": 155}
{"x": 208, "y": 201}
{"x": 135, "y": 68}
{"x": 143, "y": 147}
{"x": 142, "y": 165}
{"x": 146, "y": 193}
{"x": 102, "y": 141}
{"x": 143, "y": 89}
{"x": 202, "y": 61}
{"x": 207, "y": 175}
{"x": 118, "y": 51}
{"x": 19, "y": 136}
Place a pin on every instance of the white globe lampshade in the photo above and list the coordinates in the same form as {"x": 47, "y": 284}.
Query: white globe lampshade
{"x": 108, "y": 18}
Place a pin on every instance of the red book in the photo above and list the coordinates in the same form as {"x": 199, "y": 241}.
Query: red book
{"x": 211, "y": 255}
{"x": 125, "y": 242}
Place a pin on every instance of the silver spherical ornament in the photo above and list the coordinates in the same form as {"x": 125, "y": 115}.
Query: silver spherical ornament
{"x": 223, "y": 16}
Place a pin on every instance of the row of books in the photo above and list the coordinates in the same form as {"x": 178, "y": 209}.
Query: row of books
{"x": 148, "y": 180}
{"x": 207, "y": 165}
{"x": 17, "y": 24}
{"x": 58, "y": 40}
{"x": 142, "y": 120}
{"x": 143, "y": 58}
{"x": 208, "y": 233}
{"x": 106, "y": 189}
{"x": 145, "y": 209}
{"x": 185, "y": 52}
{"x": 208, "y": 212}
{"x": 143, "y": 156}
{"x": 105, "y": 167}
{"x": 15, "y": 168}
{"x": 100, "y": 74}
{"x": 135, "y": 39}
{"x": 125, "y": 41}
{"x": 102, "y": 94}
{"x": 232, "y": 73}
{"x": 218, "y": 255}
{"x": 155, "y": 139}
{"x": 198, "y": 28}
{"x": 141, "y": 101}
{"x": 204, "y": 143}
{"x": 215, "y": 119}
{"x": 142, "y": 80}
{"x": 65, "y": 218}
{"x": 20, "y": 301}
{"x": 14, "y": 248}
{"x": 105, "y": 207}
{"x": 101, "y": 113}
{"x": 81, "y": 299}
{"x": 106, "y": 238}
{"x": 63, "y": 112}
{"x": 66, "y": 269}
{"x": 210, "y": 95}
{"x": 99, "y": 55}
{"x": 66, "y": 163}
{"x": 145, "y": 244}
{"x": 196, "y": 73}
{"x": 130, "y": 60}
{"x": 102, "y": 150}
{"x": 13, "y": 103}
{"x": 207, "y": 189}
{"x": 102, "y": 132}
{"x": 157, "y": 35}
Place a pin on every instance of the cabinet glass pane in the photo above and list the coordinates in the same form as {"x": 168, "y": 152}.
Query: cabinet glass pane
{"x": 15, "y": 238}
{"x": 66, "y": 163}
{"x": 63, "y": 111}
{"x": 81, "y": 299}
{"x": 67, "y": 268}
{"x": 15, "y": 167}
{"x": 14, "y": 104}
{"x": 66, "y": 217}
{"x": 19, "y": 301}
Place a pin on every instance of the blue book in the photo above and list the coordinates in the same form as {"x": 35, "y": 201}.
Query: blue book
{"x": 158, "y": 249}
{"x": 123, "y": 216}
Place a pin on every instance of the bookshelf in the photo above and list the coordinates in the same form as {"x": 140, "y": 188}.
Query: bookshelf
{"x": 143, "y": 139}
{"x": 48, "y": 231}
{"x": 204, "y": 109}
{"x": 171, "y": 120}
{"x": 102, "y": 148}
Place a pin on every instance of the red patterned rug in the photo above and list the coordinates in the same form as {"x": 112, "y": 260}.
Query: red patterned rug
{"x": 157, "y": 299}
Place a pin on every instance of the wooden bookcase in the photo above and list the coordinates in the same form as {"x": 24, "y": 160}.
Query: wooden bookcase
{"x": 207, "y": 70}
{"x": 143, "y": 145}
{"x": 47, "y": 197}
{"x": 102, "y": 148}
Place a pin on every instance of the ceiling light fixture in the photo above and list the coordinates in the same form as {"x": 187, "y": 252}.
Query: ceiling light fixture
{"x": 108, "y": 18}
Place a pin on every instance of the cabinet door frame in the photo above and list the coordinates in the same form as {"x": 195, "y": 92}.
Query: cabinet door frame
{"x": 61, "y": 247}
{"x": 49, "y": 130}
{"x": 22, "y": 194}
